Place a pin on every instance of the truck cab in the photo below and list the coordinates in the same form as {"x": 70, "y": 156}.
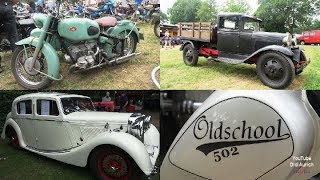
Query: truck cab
{"x": 237, "y": 38}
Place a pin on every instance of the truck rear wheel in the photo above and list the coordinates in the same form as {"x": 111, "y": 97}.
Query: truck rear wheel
{"x": 275, "y": 70}
{"x": 190, "y": 55}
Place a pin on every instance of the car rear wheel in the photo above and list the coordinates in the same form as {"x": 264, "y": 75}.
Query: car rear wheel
{"x": 112, "y": 163}
{"x": 190, "y": 55}
{"x": 13, "y": 138}
{"x": 275, "y": 70}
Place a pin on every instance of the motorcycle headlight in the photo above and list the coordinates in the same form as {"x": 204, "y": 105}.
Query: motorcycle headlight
{"x": 39, "y": 19}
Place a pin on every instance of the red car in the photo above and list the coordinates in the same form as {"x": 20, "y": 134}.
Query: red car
{"x": 310, "y": 37}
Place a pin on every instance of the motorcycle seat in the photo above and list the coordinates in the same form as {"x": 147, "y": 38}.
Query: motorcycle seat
{"x": 107, "y": 21}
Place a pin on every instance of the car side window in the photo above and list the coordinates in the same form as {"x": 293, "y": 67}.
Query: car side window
{"x": 229, "y": 23}
{"x": 312, "y": 33}
{"x": 306, "y": 34}
{"x": 47, "y": 107}
{"x": 24, "y": 107}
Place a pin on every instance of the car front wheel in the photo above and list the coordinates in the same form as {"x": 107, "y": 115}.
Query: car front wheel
{"x": 112, "y": 163}
{"x": 275, "y": 70}
{"x": 190, "y": 55}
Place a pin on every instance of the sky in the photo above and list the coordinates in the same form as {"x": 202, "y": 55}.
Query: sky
{"x": 165, "y": 4}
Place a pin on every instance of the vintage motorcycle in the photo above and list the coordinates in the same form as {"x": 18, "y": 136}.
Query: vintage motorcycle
{"x": 85, "y": 43}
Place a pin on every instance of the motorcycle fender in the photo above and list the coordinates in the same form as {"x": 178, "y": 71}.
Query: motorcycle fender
{"x": 80, "y": 155}
{"x": 49, "y": 53}
{"x": 124, "y": 25}
{"x": 14, "y": 125}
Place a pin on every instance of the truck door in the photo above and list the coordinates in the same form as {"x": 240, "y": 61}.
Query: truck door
{"x": 228, "y": 34}
{"x": 246, "y": 44}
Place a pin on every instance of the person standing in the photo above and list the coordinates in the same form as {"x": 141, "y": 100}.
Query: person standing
{"x": 106, "y": 98}
{"x": 167, "y": 39}
{"x": 8, "y": 19}
{"x": 123, "y": 102}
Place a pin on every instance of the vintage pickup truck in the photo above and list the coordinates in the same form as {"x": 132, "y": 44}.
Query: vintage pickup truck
{"x": 67, "y": 128}
{"x": 238, "y": 39}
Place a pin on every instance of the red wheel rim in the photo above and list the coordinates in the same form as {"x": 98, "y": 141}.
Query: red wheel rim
{"x": 14, "y": 141}
{"x": 113, "y": 166}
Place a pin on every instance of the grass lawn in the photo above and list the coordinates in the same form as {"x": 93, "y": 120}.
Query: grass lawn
{"x": 217, "y": 75}
{"x": 135, "y": 74}
{"x": 22, "y": 164}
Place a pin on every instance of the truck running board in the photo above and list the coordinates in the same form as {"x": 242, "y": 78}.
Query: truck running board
{"x": 228, "y": 60}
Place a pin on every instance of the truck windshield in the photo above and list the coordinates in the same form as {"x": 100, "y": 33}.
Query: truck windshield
{"x": 76, "y": 104}
{"x": 251, "y": 24}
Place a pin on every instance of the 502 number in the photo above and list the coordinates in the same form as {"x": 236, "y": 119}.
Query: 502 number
{"x": 225, "y": 153}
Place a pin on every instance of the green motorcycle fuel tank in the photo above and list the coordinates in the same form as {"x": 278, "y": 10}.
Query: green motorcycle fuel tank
{"x": 78, "y": 29}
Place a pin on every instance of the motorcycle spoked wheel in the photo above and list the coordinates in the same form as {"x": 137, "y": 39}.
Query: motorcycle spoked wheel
{"x": 26, "y": 78}
{"x": 130, "y": 43}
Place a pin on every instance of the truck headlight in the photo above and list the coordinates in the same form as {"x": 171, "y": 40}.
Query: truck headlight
{"x": 289, "y": 40}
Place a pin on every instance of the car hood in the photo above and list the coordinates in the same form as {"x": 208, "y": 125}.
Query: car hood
{"x": 274, "y": 35}
{"x": 98, "y": 117}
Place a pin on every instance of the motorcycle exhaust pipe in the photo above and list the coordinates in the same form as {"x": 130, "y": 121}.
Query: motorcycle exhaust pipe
{"x": 123, "y": 59}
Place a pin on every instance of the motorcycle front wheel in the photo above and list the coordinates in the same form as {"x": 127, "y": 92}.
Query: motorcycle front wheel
{"x": 29, "y": 79}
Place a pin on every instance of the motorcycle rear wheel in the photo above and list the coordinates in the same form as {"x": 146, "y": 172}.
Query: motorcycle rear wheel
{"x": 30, "y": 80}
{"x": 130, "y": 43}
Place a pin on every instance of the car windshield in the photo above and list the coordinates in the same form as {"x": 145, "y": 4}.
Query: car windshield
{"x": 76, "y": 104}
{"x": 251, "y": 24}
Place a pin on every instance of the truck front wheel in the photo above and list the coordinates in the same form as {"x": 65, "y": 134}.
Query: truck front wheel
{"x": 190, "y": 55}
{"x": 275, "y": 70}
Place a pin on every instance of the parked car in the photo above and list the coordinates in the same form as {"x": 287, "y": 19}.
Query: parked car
{"x": 243, "y": 135}
{"x": 238, "y": 39}
{"x": 310, "y": 37}
{"x": 67, "y": 128}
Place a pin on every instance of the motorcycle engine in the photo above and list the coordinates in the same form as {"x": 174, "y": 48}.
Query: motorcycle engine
{"x": 84, "y": 54}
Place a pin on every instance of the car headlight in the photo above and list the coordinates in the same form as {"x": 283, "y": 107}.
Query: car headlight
{"x": 139, "y": 124}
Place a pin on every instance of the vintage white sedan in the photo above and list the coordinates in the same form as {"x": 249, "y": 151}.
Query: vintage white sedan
{"x": 67, "y": 128}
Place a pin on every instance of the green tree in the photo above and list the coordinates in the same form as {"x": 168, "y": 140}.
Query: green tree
{"x": 207, "y": 11}
{"x": 163, "y": 16}
{"x": 240, "y": 6}
{"x": 184, "y": 11}
{"x": 280, "y": 15}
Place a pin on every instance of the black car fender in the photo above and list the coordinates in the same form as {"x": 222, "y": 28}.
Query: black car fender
{"x": 276, "y": 48}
